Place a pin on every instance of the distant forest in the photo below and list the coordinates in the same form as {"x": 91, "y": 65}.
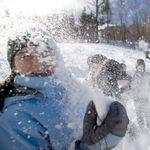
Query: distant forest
{"x": 124, "y": 20}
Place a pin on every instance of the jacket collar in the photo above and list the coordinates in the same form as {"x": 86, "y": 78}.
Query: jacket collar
{"x": 46, "y": 87}
{"x": 140, "y": 73}
{"x": 36, "y": 82}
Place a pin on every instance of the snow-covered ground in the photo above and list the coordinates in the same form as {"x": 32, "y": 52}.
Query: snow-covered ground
{"x": 75, "y": 56}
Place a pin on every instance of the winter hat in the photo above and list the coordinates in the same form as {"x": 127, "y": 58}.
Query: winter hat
{"x": 27, "y": 38}
{"x": 140, "y": 62}
{"x": 108, "y": 76}
{"x": 96, "y": 59}
{"x": 13, "y": 46}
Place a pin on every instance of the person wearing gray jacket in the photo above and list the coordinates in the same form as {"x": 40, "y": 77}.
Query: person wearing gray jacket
{"x": 140, "y": 90}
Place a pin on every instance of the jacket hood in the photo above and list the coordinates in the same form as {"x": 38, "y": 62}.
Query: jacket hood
{"x": 28, "y": 37}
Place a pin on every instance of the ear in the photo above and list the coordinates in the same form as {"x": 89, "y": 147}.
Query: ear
{"x": 13, "y": 66}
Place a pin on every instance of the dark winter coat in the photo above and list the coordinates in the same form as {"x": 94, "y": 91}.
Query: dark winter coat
{"x": 109, "y": 133}
{"x": 125, "y": 76}
{"x": 108, "y": 76}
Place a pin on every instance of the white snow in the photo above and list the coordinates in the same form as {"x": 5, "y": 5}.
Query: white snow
{"x": 143, "y": 45}
{"x": 75, "y": 57}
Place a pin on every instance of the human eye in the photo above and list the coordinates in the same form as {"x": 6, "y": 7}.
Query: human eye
{"x": 27, "y": 56}
{"x": 46, "y": 54}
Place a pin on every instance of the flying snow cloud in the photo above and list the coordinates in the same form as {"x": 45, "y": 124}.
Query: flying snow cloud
{"x": 143, "y": 45}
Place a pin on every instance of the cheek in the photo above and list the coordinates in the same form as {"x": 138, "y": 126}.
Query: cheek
{"x": 50, "y": 61}
{"x": 140, "y": 68}
{"x": 22, "y": 65}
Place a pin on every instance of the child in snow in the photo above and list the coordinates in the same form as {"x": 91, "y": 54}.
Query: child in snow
{"x": 123, "y": 85}
{"x": 95, "y": 63}
{"x": 108, "y": 76}
{"x": 140, "y": 89}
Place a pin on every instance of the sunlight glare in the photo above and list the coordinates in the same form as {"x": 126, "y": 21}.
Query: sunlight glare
{"x": 38, "y": 7}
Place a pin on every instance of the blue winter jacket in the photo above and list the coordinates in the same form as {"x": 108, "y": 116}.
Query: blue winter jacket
{"x": 36, "y": 116}
{"x": 38, "y": 119}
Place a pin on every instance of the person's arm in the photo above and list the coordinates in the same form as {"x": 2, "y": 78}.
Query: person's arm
{"x": 116, "y": 91}
{"x": 134, "y": 86}
{"x": 134, "y": 82}
{"x": 148, "y": 74}
{"x": 123, "y": 89}
{"x": 91, "y": 131}
{"x": 112, "y": 129}
{"x": 20, "y": 130}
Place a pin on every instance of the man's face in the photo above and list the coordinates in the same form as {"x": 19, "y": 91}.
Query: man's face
{"x": 124, "y": 69}
{"x": 34, "y": 63}
{"x": 95, "y": 68}
{"x": 140, "y": 68}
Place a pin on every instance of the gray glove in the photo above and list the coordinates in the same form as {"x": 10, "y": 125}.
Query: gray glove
{"x": 115, "y": 122}
{"x": 117, "y": 119}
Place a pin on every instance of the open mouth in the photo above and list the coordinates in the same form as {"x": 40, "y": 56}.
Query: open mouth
{"x": 44, "y": 73}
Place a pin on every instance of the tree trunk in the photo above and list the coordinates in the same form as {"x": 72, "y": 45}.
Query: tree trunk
{"x": 97, "y": 7}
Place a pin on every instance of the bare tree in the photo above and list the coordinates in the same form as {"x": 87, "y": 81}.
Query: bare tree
{"x": 94, "y": 6}
{"x": 145, "y": 20}
{"x": 106, "y": 10}
{"x": 121, "y": 18}
{"x": 137, "y": 19}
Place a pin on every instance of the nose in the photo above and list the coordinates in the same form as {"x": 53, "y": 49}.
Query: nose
{"x": 35, "y": 60}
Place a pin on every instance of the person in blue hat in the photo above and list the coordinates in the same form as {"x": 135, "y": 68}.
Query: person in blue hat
{"x": 140, "y": 89}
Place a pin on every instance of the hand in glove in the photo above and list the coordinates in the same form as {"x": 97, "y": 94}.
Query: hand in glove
{"x": 115, "y": 122}
{"x": 117, "y": 119}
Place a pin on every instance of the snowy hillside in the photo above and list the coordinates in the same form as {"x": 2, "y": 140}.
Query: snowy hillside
{"x": 75, "y": 57}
